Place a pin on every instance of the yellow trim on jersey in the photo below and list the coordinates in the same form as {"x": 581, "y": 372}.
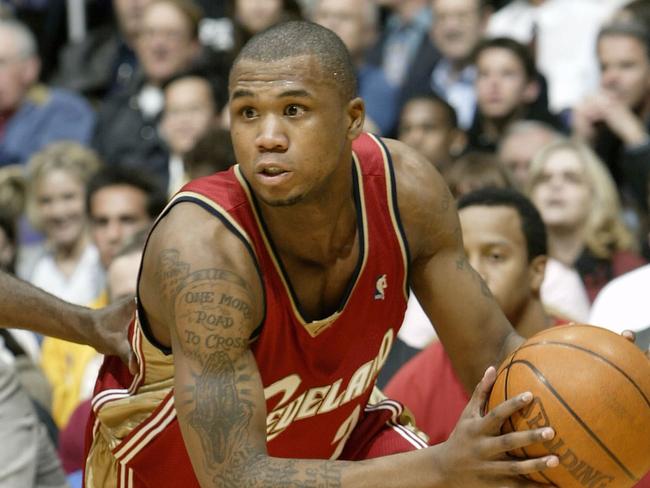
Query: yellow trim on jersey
{"x": 391, "y": 196}
{"x": 223, "y": 212}
{"x": 314, "y": 327}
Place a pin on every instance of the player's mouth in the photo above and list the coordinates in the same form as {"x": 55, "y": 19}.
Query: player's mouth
{"x": 272, "y": 173}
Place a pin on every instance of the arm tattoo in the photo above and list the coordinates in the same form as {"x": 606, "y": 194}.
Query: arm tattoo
{"x": 220, "y": 416}
{"x": 216, "y": 307}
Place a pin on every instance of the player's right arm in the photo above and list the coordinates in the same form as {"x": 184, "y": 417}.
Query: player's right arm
{"x": 202, "y": 294}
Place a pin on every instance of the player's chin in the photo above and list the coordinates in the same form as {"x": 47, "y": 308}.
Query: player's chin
{"x": 281, "y": 201}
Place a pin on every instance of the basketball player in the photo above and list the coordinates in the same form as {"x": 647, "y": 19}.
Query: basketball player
{"x": 278, "y": 285}
{"x": 270, "y": 294}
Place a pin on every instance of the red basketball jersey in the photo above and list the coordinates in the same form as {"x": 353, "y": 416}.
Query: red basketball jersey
{"x": 317, "y": 376}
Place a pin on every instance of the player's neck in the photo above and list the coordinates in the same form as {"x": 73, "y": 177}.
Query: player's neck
{"x": 316, "y": 231}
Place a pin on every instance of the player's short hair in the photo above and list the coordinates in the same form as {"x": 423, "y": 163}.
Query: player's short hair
{"x": 521, "y": 52}
{"x": 303, "y": 38}
{"x": 532, "y": 225}
{"x": 114, "y": 175}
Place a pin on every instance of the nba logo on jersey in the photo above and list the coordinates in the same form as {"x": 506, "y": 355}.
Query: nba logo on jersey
{"x": 380, "y": 285}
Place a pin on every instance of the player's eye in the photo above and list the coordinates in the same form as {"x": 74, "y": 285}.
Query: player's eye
{"x": 248, "y": 112}
{"x": 294, "y": 110}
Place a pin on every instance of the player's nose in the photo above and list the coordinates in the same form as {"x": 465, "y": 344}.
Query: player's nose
{"x": 271, "y": 135}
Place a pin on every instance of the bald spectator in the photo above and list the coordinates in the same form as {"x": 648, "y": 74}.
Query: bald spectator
{"x": 33, "y": 115}
{"x": 167, "y": 44}
{"x": 519, "y": 144}
{"x": 356, "y": 23}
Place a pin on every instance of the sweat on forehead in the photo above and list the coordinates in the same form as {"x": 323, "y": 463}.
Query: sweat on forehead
{"x": 301, "y": 38}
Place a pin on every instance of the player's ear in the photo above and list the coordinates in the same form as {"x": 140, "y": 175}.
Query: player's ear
{"x": 356, "y": 111}
{"x": 536, "y": 270}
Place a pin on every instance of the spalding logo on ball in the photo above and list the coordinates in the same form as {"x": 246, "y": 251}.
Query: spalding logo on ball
{"x": 593, "y": 387}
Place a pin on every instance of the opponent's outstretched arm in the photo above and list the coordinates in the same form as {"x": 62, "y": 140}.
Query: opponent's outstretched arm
{"x": 24, "y": 306}
{"x": 202, "y": 294}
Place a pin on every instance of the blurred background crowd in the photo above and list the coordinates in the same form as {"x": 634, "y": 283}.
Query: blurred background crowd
{"x": 108, "y": 106}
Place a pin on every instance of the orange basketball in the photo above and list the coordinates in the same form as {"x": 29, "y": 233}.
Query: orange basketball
{"x": 593, "y": 387}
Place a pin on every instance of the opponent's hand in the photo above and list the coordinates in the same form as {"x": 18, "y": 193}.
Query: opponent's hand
{"x": 111, "y": 325}
{"x": 476, "y": 452}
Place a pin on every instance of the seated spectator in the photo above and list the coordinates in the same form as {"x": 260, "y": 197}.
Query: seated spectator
{"x": 127, "y": 131}
{"x": 563, "y": 47}
{"x": 444, "y": 60}
{"x": 520, "y": 143}
{"x": 68, "y": 265}
{"x": 476, "y": 170}
{"x": 121, "y": 202}
{"x": 429, "y": 125}
{"x": 507, "y": 90}
{"x": 213, "y": 152}
{"x": 505, "y": 241}
{"x": 103, "y": 62}
{"x": 190, "y": 111}
{"x": 33, "y": 115}
{"x": 615, "y": 120}
{"x": 356, "y": 23}
{"x": 579, "y": 203}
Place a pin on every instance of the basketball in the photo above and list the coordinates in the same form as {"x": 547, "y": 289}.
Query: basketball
{"x": 593, "y": 387}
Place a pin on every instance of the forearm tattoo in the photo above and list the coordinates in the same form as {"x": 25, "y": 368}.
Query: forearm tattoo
{"x": 217, "y": 307}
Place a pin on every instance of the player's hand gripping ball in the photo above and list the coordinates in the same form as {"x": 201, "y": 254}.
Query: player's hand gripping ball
{"x": 593, "y": 387}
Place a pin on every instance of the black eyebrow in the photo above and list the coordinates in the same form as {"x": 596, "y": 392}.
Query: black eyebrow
{"x": 299, "y": 93}
{"x": 240, "y": 93}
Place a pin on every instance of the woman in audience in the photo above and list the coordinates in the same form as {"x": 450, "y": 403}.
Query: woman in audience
{"x": 579, "y": 203}
{"x": 69, "y": 265}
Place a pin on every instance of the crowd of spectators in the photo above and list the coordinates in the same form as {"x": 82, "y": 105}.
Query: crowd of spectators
{"x": 96, "y": 132}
